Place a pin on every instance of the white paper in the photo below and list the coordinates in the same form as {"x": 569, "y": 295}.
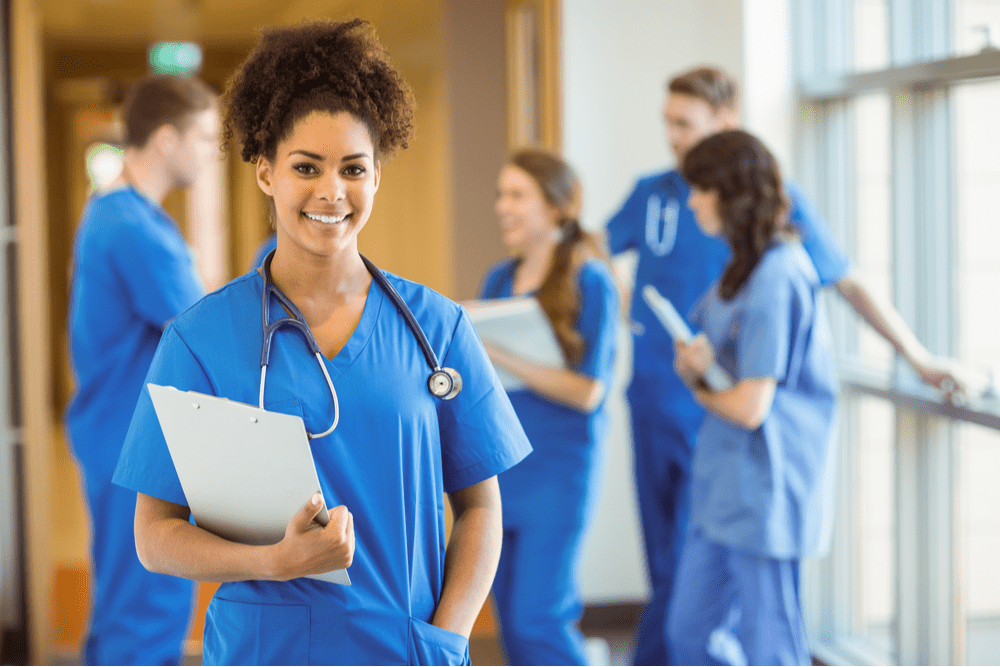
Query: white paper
{"x": 520, "y": 326}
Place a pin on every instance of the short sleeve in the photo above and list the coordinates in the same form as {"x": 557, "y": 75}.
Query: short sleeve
{"x": 158, "y": 273}
{"x": 817, "y": 238}
{"x": 145, "y": 464}
{"x": 768, "y": 326}
{"x": 598, "y": 321}
{"x": 623, "y": 227}
{"x": 480, "y": 433}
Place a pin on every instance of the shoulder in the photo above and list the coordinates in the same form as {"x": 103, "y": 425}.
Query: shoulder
{"x": 498, "y": 270}
{"x": 786, "y": 262}
{"x": 236, "y": 299}
{"x": 424, "y": 302}
{"x": 595, "y": 273}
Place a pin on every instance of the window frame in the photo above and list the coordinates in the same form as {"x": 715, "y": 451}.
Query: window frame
{"x": 930, "y": 620}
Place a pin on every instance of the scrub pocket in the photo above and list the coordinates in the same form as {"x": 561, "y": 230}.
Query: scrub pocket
{"x": 431, "y": 645}
{"x": 242, "y": 633}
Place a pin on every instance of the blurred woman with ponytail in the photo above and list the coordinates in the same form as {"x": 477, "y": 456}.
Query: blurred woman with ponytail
{"x": 548, "y": 499}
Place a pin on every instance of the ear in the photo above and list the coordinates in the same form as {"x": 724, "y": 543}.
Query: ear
{"x": 378, "y": 175}
{"x": 165, "y": 139}
{"x": 264, "y": 175}
{"x": 730, "y": 119}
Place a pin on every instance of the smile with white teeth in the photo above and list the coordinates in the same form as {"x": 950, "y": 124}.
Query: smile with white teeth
{"x": 326, "y": 219}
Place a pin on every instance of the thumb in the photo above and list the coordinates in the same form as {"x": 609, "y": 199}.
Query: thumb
{"x": 305, "y": 516}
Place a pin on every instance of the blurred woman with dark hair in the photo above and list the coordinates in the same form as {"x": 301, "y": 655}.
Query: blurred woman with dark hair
{"x": 763, "y": 459}
{"x": 550, "y": 496}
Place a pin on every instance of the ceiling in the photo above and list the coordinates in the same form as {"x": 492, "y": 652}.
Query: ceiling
{"x": 215, "y": 22}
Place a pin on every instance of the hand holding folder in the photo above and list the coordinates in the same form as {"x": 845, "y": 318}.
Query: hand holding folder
{"x": 715, "y": 377}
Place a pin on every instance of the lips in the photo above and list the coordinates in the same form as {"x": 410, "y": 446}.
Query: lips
{"x": 326, "y": 219}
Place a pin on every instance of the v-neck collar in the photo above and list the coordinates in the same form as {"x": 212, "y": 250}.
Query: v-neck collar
{"x": 355, "y": 344}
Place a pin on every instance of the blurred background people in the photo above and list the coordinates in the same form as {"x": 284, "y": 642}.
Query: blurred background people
{"x": 763, "y": 461}
{"x": 132, "y": 273}
{"x": 549, "y": 498}
{"x": 681, "y": 261}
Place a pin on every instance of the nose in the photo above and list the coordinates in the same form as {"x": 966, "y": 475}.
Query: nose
{"x": 331, "y": 187}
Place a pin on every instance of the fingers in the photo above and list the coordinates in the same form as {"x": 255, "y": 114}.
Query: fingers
{"x": 341, "y": 529}
{"x": 304, "y": 517}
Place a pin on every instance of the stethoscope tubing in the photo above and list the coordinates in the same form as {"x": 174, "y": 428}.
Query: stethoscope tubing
{"x": 451, "y": 379}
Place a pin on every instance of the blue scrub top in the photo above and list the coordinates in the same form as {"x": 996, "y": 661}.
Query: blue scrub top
{"x": 558, "y": 474}
{"x": 132, "y": 273}
{"x": 395, "y": 452}
{"x": 677, "y": 258}
{"x": 767, "y": 490}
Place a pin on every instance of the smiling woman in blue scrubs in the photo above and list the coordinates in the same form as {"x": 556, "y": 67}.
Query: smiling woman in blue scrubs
{"x": 317, "y": 107}
{"x": 762, "y": 466}
{"x": 549, "y": 498}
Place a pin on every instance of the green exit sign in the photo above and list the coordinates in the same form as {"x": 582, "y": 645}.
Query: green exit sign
{"x": 178, "y": 58}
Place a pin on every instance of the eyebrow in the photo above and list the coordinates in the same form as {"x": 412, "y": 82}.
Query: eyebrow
{"x": 319, "y": 158}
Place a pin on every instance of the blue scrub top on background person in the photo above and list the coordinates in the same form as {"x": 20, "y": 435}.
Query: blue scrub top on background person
{"x": 395, "y": 452}
{"x": 559, "y": 473}
{"x": 761, "y": 499}
{"x": 766, "y": 490}
{"x": 551, "y": 496}
{"x": 266, "y": 246}
{"x": 132, "y": 273}
{"x": 681, "y": 262}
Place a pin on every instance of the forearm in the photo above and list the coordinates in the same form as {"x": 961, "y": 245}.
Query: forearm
{"x": 174, "y": 546}
{"x": 561, "y": 385}
{"x": 884, "y": 318}
{"x": 470, "y": 563}
{"x": 746, "y": 404}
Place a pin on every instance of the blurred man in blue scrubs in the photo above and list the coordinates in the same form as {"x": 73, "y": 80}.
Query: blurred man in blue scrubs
{"x": 132, "y": 273}
{"x": 680, "y": 261}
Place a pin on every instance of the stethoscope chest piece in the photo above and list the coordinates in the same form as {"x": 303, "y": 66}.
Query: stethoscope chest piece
{"x": 445, "y": 383}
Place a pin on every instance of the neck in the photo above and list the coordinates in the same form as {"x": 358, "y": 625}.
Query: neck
{"x": 147, "y": 174}
{"x": 536, "y": 260}
{"x": 305, "y": 276}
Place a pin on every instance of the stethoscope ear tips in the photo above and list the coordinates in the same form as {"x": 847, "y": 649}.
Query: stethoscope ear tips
{"x": 445, "y": 383}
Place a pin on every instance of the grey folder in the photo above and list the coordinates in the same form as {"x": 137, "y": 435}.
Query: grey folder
{"x": 245, "y": 472}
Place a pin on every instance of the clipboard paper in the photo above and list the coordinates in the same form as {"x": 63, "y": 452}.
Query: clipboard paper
{"x": 520, "y": 326}
{"x": 245, "y": 472}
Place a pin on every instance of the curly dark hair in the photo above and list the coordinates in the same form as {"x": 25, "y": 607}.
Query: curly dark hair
{"x": 316, "y": 66}
{"x": 752, "y": 203}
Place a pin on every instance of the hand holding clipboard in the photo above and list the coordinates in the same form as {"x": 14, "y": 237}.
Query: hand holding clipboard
{"x": 715, "y": 377}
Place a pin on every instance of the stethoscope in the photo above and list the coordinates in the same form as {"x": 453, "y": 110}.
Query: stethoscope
{"x": 444, "y": 383}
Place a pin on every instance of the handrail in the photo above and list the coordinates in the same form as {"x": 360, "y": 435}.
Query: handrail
{"x": 907, "y": 392}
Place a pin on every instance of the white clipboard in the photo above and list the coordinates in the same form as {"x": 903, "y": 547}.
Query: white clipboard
{"x": 245, "y": 472}
{"x": 519, "y": 325}
{"x": 715, "y": 377}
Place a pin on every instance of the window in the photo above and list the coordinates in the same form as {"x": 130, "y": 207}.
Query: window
{"x": 898, "y": 142}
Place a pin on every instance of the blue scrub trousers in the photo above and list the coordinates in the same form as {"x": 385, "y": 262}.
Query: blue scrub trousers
{"x": 136, "y": 617}
{"x": 713, "y": 582}
{"x": 663, "y": 483}
{"x": 536, "y": 595}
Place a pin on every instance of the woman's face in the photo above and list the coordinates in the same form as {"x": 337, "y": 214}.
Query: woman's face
{"x": 323, "y": 181}
{"x": 705, "y": 204}
{"x": 526, "y": 219}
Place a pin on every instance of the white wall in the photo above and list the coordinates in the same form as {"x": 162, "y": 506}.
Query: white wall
{"x": 617, "y": 57}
